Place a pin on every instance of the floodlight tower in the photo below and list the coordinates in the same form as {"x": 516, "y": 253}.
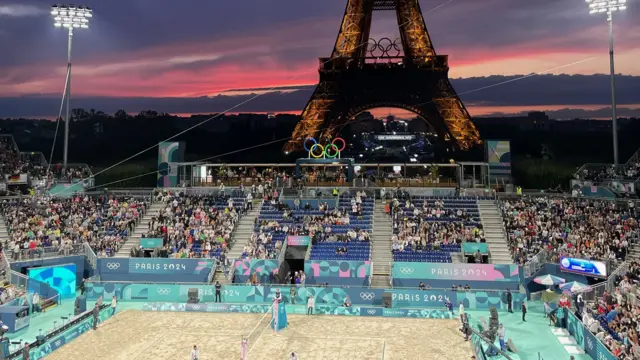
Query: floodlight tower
{"x": 608, "y": 7}
{"x": 70, "y": 17}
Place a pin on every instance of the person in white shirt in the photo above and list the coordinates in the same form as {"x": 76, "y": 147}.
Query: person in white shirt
{"x": 35, "y": 303}
{"x": 195, "y": 353}
{"x": 461, "y": 312}
{"x": 501, "y": 335}
{"x": 293, "y": 356}
{"x": 311, "y": 304}
{"x": 114, "y": 303}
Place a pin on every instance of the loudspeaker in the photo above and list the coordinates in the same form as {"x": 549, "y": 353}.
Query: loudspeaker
{"x": 192, "y": 293}
{"x": 386, "y": 299}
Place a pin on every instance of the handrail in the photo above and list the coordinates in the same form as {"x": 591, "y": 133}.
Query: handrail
{"x": 490, "y": 343}
{"x": 232, "y": 270}
{"x": 5, "y": 265}
{"x": 91, "y": 255}
{"x": 212, "y": 273}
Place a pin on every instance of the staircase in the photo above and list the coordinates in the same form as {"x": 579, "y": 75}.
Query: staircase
{"x": 244, "y": 231}
{"x": 4, "y": 232}
{"x": 496, "y": 238}
{"x": 141, "y": 228}
{"x": 381, "y": 246}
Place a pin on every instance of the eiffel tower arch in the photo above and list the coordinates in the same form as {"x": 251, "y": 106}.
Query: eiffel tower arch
{"x": 364, "y": 73}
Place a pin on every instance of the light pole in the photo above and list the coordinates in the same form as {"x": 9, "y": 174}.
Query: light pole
{"x": 70, "y": 17}
{"x": 608, "y": 7}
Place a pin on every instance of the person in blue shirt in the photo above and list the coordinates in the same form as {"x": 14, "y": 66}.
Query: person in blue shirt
{"x": 449, "y": 307}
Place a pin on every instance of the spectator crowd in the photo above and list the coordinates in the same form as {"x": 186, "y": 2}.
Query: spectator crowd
{"x": 39, "y": 224}
{"x": 580, "y": 227}
{"x": 430, "y": 224}
{"x": 195, "y": 226}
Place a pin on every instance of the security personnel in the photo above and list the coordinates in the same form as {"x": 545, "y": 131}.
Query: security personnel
{"x": 519, "y": 191}
{"x": 335, "y": 192}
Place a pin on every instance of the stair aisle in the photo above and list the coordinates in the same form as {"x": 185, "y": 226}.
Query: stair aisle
{"x": 493, "y": 226}
{"x": 381, "y": 246}
{"x": 141, "y": 228}
{"x": 568, "y": 342}
{"x": 4, "y": 231}
{"x": 243, "y": 232}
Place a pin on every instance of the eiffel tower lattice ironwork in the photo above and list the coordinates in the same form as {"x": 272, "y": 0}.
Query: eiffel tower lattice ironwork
{"x": 363, "y": 74}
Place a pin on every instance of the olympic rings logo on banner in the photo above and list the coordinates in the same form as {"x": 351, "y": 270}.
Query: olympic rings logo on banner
{"x": 406, "y": 271}
{"x": 367, "y": 296}
{"x": 371, "y": 311}
{"x": 113, "y": 266}
{"x": 163, "y": 291}
{"x": 323, "y": 151}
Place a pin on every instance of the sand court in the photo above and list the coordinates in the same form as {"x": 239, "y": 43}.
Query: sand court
{"x": 143, "y": 335}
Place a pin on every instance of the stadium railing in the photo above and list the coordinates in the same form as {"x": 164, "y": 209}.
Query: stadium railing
{"x": 212, "y": 273}
{"x": 5, "y": 267}
{"x": 43, "y": 252}
{"x": 92, "y": 258}
{"x": 18, "y": 280}
{"x": 480, "y": 342}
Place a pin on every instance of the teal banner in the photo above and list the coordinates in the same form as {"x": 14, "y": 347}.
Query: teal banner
{"x": 337, "y": 272}
{"x": 444, "y": 275}
{"x": 327, "y": 295}
{"x": 301, "y": 309}
{"x": 473, "y": 247}
{"x": 245, "y": 268}
{"x": 150, "y": 243}
{"x": 67, "y": 336}
{"x": 587, "y": 341}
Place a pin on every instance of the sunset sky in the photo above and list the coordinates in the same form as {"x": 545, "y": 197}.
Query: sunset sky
{"x": 168, "y": 48}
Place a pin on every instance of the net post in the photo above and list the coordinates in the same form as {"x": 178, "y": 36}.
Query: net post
{"x": 243, "y": 350}
{"x": 274, "y": 315}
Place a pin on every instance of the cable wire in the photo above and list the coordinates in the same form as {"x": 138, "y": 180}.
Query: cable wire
{"x": 55, "y": 134}
{"x": 237, "y": 105}
{"x": 348, "y": 122}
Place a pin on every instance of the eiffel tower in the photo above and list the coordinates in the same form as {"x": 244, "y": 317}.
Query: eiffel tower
{"x": 364, "y": 73}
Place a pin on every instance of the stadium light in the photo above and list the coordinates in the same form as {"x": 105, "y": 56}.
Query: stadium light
{"x": 608, "y": 7}
{"x": 70, "y": 17}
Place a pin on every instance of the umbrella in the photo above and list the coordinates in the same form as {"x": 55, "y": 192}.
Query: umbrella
{"x": 549, "y": 296}
{"x": 549, "y": 280}
{"x": 575, "y": 287}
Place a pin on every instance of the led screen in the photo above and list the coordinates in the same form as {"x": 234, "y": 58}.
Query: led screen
{"x": 584, "y": 267}
{"x": 60, "y": 277}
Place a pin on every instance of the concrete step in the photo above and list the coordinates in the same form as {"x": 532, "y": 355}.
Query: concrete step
{"x": 380, "y": 281}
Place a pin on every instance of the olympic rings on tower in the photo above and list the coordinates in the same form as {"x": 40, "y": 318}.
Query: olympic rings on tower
{"x": 324, "y": 150}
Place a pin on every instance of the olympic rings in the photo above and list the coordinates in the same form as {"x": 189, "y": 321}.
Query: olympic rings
{"x": 324, "y": 150}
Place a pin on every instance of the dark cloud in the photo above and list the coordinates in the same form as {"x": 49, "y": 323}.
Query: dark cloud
{"x": 533, "y": 91}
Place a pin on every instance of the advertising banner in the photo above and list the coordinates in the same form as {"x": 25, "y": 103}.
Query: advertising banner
{"x": 298, "y": 240}
{"x": 473, "y": 247}
{"x": 299, "y": 309}
{"x": 444, "y": 275}
{"x": 69, "y": 335}
{"x": 154, "y": 269}
{"x": 245, "y": 268}
{"x": 150, "y": 243}
{"x": 337, "y": 272}
{"x": 247, "y": 294}
{"x": 587, "y": 340}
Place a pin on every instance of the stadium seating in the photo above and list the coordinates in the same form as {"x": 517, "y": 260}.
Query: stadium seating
{"x": 197, "y": 225}
{"x": 569, "y": 226}
{"x": 447, "y": 222}
{"x": 62, "y": 225}
{"x": 278, "y": 223}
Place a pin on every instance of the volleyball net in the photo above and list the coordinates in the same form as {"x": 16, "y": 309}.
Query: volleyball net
{"x": 274, "y": 319}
